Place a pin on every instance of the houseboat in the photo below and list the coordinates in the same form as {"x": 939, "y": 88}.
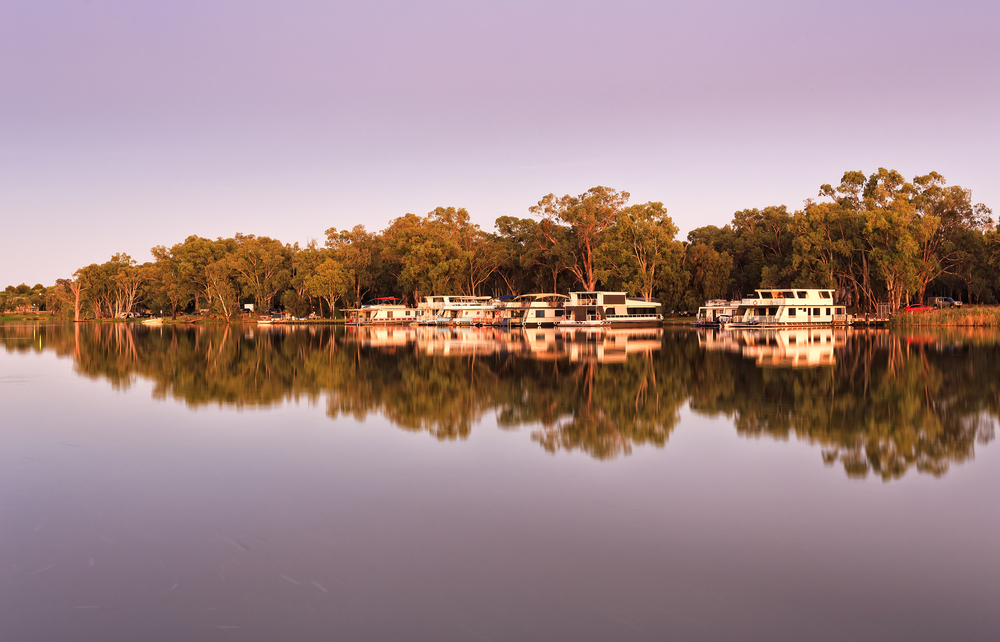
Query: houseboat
{"x": 467, "y": 310}
{"x": 614, "y": 309}
{"x": 788, "y": 307}
{"x": 382, "y": 311}
{"x": 716, "y": 312}
{"x": 533, "y": 310}
{"x": 429, "y": 309}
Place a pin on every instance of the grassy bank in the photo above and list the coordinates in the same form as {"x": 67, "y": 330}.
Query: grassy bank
{"x": 27, "y": 317}
{"x": 967, "y": 316}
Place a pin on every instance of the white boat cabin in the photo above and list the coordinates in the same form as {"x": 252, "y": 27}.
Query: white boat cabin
{"x": 789, "y": 307}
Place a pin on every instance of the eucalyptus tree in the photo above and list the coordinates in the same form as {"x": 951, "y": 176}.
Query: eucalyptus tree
{"x": 169, "y": 279}
{"x": 304, "y": 263}
{"x": 114, "y": 286}
{"x": 640, "y": 251}
{"x": 358, "y": 254}
{"x": 762, "y": 248}
{"x": 889, "y": 228}
{"x": 332, "y": 281}
{"x": 262, "y": 265}
{"x": 515, "y": 239}
{"x": 194, "y": 256}
{"x": 221, "y": 288}
{"x": 943, "y": 218}
{"x": 426, "y": 256}
{"x": 587, "y": 218}
{"x": 708, "y": 273}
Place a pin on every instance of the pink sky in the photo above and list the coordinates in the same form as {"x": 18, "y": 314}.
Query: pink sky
{"x": 125, "y": 125}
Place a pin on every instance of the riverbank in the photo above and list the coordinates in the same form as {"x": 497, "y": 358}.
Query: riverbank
{"x": 30, "y": 317}
{"x": 984, "y": 316}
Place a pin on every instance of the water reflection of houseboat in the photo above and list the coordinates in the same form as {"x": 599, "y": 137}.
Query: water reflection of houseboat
{"x": 782, "y": 348}
{"x": 610, "y": 308}
{"x": 789, "y": 307}
{"x": 610, "y": 346}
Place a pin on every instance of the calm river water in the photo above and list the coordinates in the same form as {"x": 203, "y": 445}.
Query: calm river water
{"x": 183, "y": 483}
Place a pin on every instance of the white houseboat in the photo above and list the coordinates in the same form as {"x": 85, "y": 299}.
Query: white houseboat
{"x": 429, "y": 309}
{"x": 467, "y": 310}
{"x": 613, "y": 309}
{"x": 383, "y": 310}
{"x": 533, "y": 310}
{"x": 789, "y": 307}
{"x": 716, "y": 312}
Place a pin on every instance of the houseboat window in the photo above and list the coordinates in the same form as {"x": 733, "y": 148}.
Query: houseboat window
{"x": 772, "y": 311}
{"x": 824, "y": 295}
{"x": 828, "y": 310}
{"x": 791, "y": 312}
{"x": 840, "y": 310}
{"x": 815, "y": 312}
{"x": 766, "y": 295}
{"x": 801, "y": 294}
{"x": 539, "y": 313}
{"x": 560, "y": 313}
{"x": 389, "y": 314}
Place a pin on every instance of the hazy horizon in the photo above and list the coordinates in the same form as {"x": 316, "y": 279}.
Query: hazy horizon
{"x": 128, "y": 126}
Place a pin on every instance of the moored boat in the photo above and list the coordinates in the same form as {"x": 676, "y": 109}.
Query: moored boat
{"x": 386, "y": 310}
{"x": 716, "y": 312}
{"x": 467, "y": 310}
{"x": 614, "y": 309}
{"x": 785, "y": 307}
{"x": 534, "y": 310}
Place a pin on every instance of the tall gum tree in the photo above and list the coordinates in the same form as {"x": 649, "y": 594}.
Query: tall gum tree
{"x": 943, "y": 216}
{"x": 588, "y": 217}
{"x": 359, "y": 254}
{"x": 640, "y": 249}
{"x": 262, "y": 265}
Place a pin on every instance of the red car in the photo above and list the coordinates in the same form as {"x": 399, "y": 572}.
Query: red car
{"x": 916, "y": 307}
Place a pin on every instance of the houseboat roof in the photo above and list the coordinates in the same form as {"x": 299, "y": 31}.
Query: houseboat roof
{"x": 795, "y": 293}
{"x": 542, "y": 297}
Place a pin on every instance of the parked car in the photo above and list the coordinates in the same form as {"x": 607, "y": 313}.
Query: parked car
{"x": 943, "y": 302}
{"x": 916, "y": 307}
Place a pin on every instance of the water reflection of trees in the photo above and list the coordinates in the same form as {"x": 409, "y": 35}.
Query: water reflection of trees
{"x": 886, "y": 405}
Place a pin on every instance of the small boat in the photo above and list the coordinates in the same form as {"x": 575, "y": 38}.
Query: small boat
{"x": 153, "y": 321}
